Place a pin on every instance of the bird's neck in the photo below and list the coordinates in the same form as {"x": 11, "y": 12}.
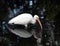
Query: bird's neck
{"x": 33, "y": 21}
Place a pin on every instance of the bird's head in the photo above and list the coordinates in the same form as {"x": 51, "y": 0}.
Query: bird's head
{"x": 33, "y": 21}
{"x": 36, "y": 17}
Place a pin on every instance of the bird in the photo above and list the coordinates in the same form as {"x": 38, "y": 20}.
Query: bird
{"x": 25, "y": 19}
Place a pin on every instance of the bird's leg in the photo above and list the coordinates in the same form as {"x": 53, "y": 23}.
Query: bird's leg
{"x": 26, "y": 27}
{"x": 13, "y": 25}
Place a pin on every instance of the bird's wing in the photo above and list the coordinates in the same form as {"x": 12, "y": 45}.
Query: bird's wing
{"x": 21, "y": 19}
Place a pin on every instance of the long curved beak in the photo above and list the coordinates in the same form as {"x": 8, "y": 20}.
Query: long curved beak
{"x": 38, "y": 20}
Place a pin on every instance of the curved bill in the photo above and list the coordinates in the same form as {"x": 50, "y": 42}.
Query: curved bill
{"x": 38, "y": 20}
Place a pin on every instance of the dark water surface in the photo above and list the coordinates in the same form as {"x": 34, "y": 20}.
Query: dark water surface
{"x": 13, "y": 40}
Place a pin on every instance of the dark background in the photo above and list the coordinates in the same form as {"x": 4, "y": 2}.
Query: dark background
{"x": 52, "y": 12}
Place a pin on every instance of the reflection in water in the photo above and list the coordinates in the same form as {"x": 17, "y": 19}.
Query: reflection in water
{"x": 11, "y": 39}
{"x": 18, "y": 41}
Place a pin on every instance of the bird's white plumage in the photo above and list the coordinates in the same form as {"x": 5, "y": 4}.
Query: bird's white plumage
{"x": 23, "y": 19}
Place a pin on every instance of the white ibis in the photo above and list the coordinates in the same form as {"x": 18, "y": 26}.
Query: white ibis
{"x": 24, "y": 19}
